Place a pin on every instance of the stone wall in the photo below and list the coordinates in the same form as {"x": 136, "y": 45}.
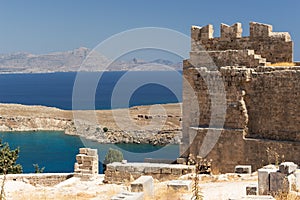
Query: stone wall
{"x": 120, "y": 173}
{"x": 261, "y": 110}
{"x": 272, "y": 99}
{"x": 45, "y": 179}
{"x": 274, "y": 46}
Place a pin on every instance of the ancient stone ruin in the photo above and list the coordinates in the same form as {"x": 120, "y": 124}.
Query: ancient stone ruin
{"x": 272, "y": 180}
{"x": 87, "y": 163}
{"x": 258, "y": 122}
{"x": 265, "y": 44}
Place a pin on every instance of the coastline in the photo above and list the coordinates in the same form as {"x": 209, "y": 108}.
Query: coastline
{"x": 23, "y": 118}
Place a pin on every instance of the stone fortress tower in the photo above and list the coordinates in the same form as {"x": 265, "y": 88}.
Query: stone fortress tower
{"x": 258, "y": 121}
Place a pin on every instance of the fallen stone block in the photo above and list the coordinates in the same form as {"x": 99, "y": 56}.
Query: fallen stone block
{"x": 129, "y": 196}
{"x": 185, "y": 185}
{"x": 143, "y": 184}
{"x": 264, "y": 181}
{"x": 281, "y": 183}
{"x": 287, "y": 167}
{"x": 243, "y": 169}
{"x": 251, "y": 190}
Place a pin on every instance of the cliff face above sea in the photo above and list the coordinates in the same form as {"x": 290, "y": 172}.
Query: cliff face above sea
{"x": 14, "y": 117}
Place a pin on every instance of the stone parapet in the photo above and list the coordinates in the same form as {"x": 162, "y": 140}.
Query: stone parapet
{"x": 273, "y": 46}
{"x": 119, "y": 173}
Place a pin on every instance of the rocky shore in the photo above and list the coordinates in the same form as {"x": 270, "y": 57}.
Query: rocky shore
{"x": 15, "y": 117}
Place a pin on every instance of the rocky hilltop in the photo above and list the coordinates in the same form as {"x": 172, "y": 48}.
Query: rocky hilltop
{"x": 71, "y": 61}
{"x": 15, "y": 117}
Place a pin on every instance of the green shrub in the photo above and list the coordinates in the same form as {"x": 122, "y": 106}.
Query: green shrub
{"x": 8, "y": 164}
{"x": 8, "y": 160}
{"x": 113, "y": 155}
{"x": 105, "y": 129}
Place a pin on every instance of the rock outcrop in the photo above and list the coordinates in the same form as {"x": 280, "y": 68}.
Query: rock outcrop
{"x": 14, "y": 117}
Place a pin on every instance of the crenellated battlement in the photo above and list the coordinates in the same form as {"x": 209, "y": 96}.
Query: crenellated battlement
{"x": 231, "y": 32}
{"x": 273, "y": 46}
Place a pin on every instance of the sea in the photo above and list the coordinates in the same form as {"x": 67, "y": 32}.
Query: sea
{"x": 56, "y": 151}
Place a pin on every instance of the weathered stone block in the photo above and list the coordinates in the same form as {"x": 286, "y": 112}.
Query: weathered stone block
{"x": 143, "y": 184}
{"x": 83, "y": 150}
{"x": 79, "y": 157}
{"x": 176, "y": 171}
{"x": 92, "y": 152}
{"x": 264, "y": 181}
{"x": 110, "y": 167}
{"x": 281, "y": 182}
{"x": 152, "y": 170}
{"x": 140, "y": 169}
{"x": 166, "y": 170}
{"x": 287, "y": 167}
{"x": 89, "y": 158}
{"x": 185, "y": 185}
{"x": 243, "y": 169}
{"x": 251, "y": 190}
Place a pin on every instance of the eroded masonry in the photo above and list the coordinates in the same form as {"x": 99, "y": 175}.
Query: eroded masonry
{"x": 258, "y": 122}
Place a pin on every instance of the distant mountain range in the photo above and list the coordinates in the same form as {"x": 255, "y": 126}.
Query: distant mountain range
{"x": 75, "y": 60}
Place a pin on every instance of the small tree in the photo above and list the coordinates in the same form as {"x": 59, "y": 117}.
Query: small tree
{"x": 113, "y": 155}
{"x": 37, "y": 169}
{"x": 8, "y": 160}
{"x": 8, "y": 164}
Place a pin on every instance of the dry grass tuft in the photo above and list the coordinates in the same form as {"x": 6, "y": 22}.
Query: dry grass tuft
{"x": 165, "y": 193}
{"x": 285, "y": 196}
{"x": 282, "y": 64}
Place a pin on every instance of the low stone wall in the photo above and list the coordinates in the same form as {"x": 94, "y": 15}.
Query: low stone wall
{"x": 121, "y": 173}
{"x": 45, "y": 179}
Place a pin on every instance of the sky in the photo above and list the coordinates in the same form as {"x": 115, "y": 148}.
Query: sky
{"x": 43, "y": 26}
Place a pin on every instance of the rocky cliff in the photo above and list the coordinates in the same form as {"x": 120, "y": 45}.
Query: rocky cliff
{"x": 14, "y": 117}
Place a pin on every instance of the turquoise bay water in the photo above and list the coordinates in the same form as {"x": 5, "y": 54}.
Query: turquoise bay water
{"x": 56, "y": 151}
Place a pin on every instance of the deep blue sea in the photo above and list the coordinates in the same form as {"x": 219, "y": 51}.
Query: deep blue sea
{"x": 56, "y": 151}
{"x": 55, "y": 89}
